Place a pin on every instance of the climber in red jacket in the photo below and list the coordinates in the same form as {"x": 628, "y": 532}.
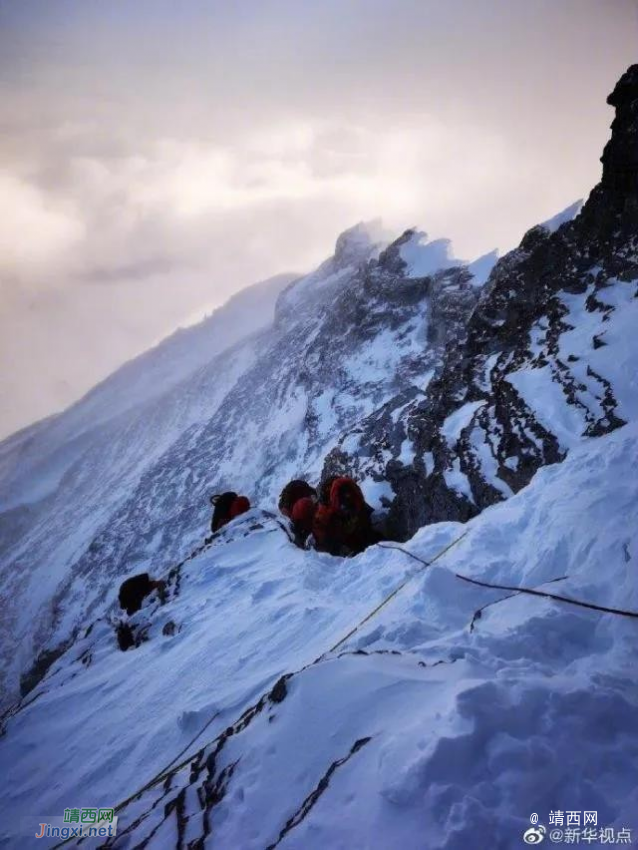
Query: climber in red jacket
{"x": 227, "y": 506}
{"x": 298, "y": 502}
{"x": 341, "y": 523}
{"x": 302, "y": 517}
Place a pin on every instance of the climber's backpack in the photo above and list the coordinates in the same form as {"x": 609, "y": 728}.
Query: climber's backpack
{"x": 227, "y": 506}
{"x": 342, "y": 526}
{"x": 221, "y": 503}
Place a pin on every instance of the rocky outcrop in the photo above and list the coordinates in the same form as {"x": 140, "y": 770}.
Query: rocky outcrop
{"x": 504, "y": 400}
{"x": 620, "y": 157}
{"x": 375, "y": 450}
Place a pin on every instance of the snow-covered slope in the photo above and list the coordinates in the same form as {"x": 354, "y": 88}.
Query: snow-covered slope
{"x": 427, "y": 729}
{"x": 60, "y": 480}
{"x": 115, "y": 494}
{"x": 33, "y": 461}
{"x": 509, "y": 406}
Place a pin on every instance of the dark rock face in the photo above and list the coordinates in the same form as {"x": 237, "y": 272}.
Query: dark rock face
{"x": 373, "y": 449}
{"x": 519, "y": 328}
{"x": 40, "y": 667}
{"x": 620, "y": 157}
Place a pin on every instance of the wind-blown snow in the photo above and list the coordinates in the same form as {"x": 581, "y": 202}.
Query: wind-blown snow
{"x": 470, "y": 731}
{"x": 354, "y": 246}
{"x": 422, "y": 257}
{"x": 480, "y": 269}
{"x": 47, "y": 451}
{"x": 568, "y": 214}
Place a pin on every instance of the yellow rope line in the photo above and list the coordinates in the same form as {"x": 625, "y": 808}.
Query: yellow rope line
{"x": 391, "y": 596}
{"x": 172, "y": 768}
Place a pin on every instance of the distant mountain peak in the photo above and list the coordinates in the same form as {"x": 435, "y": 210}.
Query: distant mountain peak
{"x": 358, "y": 243}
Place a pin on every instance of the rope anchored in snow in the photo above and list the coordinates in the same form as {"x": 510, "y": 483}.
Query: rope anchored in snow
{"x": 479, "y": 612}
{"x": 172, "y": 767}
{"x": 620, "y": 612}
{"x": 397, "y": 590}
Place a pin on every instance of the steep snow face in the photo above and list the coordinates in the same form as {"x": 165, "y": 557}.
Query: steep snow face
{"x": 76, "y": 485}
{"x": 481, "y": 268}
{"x": 427, "y": 728}
{"x": 111, "y": 487}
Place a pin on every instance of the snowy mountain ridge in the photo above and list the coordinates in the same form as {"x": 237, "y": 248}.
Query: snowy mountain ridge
{"x": 545, "y": 359}
{"x": 505, "y": 409}
{"x": 132, "y": 494}
{"x": 428, "y": 727}
{"x": 134, "y": 385}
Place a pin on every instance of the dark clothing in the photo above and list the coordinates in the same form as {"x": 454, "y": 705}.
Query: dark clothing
{"x": 125, "y": 636}
{"x": 292, "y": 493}
{"x": 135, "y": 590}
{"x": 227, "y": 506}
{"x": 221, "y": 509}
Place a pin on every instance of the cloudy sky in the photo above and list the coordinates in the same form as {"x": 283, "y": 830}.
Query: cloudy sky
{"x": 157, "y": 156}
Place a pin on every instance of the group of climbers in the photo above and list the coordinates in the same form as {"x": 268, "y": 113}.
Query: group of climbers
{"x": 335, "y": 520}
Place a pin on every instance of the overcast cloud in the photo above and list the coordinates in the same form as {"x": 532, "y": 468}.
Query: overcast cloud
{"x": 156, "y": 157}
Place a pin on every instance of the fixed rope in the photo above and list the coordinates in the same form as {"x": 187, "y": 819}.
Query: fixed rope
{"x": 172, "y": 767}
{"x": 515, "y": 590}
{"x": 397, "y": 590}
{"x": 479, "y": 612}
{"x": 620, "y": 612}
